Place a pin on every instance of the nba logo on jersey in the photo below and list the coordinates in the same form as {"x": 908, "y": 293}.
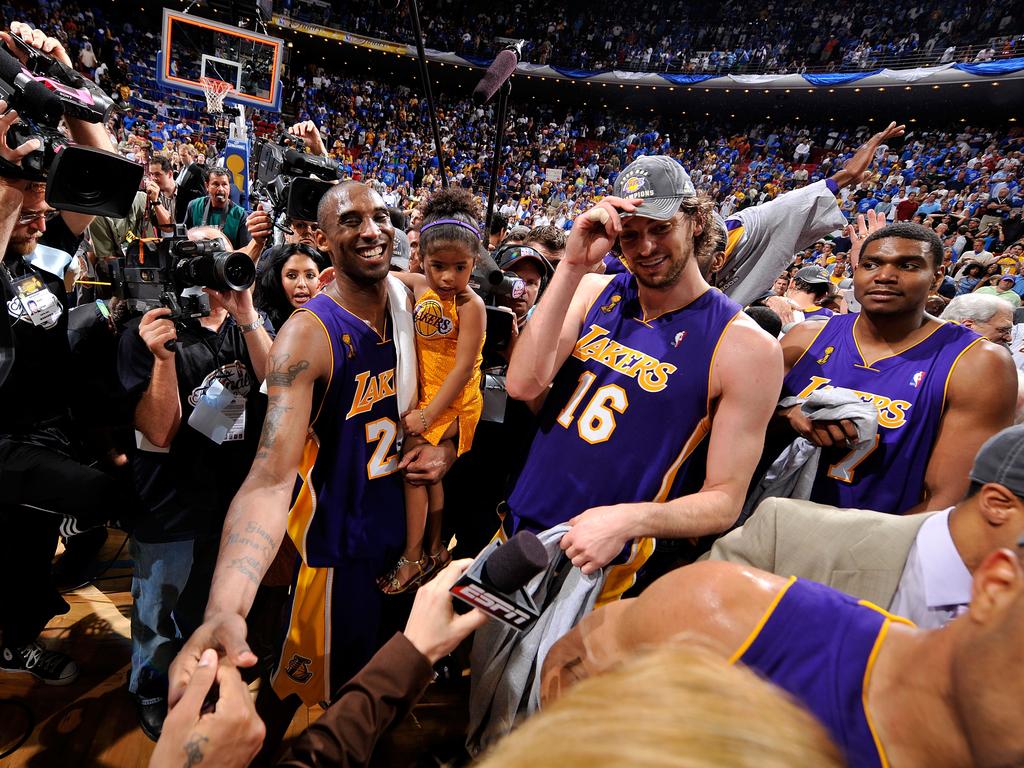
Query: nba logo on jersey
{"x": 916, "y": 379}
{"x": 678, "y": 339}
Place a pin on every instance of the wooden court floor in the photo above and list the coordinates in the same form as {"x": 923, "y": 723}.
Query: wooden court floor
{"x": 92, "y": 721}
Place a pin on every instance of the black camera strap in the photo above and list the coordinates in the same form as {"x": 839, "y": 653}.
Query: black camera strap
{"x": 7, "y": 293}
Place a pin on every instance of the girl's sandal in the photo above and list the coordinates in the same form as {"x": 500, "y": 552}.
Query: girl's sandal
{"x": 390, "y": 584}
{"x": 437, "y": 564}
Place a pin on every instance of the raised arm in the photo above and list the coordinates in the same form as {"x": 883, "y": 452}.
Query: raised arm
{"x": 555, "y": 326}
{"x": 763, "y": 238}
{"x": 981, "y": 400}
{"x": 257, "y": 517}
{"x": 747, "y": 376}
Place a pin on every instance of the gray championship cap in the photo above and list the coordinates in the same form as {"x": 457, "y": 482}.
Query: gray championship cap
{"x": 659, "y": 181}
{"x": 1001, "y": 460}
{"x": 813, "y": 275}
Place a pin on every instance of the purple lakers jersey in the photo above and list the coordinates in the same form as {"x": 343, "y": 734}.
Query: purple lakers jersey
{"x": 627, "y": 409}
{"x": 909, "y": 391}
{"x": 817, "y": 313}
{"x": 350, "y": 503}
{"x": 819, "y": 645}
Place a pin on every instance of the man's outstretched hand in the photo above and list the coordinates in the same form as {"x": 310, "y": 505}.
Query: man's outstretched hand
{"x": 223, "y": 632}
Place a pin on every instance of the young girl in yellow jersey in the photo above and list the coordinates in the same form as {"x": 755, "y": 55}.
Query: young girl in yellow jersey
{"x": 449, "y": 320}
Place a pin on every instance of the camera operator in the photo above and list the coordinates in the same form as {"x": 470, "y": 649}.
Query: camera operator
{"x": 260, "y": 225}
{"x": 261, "y": 222}
{"x": 216, "y": 209}
{"x": 48, "y": 485}
{"x": 197, "y": 419}
{"x": 161, "y": 193}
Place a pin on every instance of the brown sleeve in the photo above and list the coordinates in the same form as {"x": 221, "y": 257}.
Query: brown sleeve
{"x": 380, "y": 694}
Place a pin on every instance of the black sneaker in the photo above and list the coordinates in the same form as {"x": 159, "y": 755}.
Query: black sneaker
{"x": 52, "y": 667}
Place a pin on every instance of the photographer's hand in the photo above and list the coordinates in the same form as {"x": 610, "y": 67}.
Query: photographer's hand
{"x": 37, "y": 39}
{"x": 260, "y": 225}
{"x": 156, "y": 330}
{"x": 13, "y": 155}
{"x": 308, "y": 131}
{"x": 257, "y": 341}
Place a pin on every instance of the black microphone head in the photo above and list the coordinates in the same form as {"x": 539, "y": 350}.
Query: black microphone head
{"x": 501, "y": 69}
{"x": 488, "y": 268}
{"x": 515, "y": 562}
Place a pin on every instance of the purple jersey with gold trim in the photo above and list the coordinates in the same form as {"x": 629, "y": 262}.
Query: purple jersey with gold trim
{"x": 821, "y": 645}
{"x": 351, "y": 503}
{"x": 627, "y": 408}
{"x": 909, "y": 391}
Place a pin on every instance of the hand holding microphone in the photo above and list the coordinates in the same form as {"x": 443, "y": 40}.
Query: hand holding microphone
{"x": 434, "y": 628}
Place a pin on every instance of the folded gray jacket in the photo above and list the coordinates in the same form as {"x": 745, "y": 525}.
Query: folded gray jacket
{"x": 791, "y": 475}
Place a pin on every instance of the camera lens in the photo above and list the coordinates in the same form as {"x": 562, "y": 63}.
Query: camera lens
{"x": 238, "y": 271}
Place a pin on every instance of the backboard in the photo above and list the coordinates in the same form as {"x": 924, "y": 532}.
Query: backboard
{"x": 194, "y": 47}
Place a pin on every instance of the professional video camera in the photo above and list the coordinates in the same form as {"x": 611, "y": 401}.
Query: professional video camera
{"x": 284, "y": 177}
{"x": 488, "y": 280}
{"x": 156, "y": 272}
{"x": 81, "y": 179}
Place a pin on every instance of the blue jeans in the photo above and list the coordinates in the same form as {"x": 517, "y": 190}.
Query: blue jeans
{"x": 160, "y": 574}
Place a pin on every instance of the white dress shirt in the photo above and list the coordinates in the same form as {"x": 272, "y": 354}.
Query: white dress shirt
{"x": 935, "y": 586}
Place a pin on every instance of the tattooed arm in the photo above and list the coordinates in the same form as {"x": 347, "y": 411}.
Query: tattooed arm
{"x": 257, "y": 518}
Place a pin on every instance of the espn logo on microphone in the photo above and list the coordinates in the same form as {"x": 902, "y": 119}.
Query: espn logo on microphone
{"x": 493, "y": 605}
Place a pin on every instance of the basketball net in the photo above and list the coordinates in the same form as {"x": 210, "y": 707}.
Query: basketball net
{"x": 215, "y": 91}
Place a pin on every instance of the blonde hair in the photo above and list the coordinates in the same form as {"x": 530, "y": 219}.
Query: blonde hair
{"x": 675, "y": 707}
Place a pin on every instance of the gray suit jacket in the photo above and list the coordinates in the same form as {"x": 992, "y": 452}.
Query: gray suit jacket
{"x": 858, "y": 552}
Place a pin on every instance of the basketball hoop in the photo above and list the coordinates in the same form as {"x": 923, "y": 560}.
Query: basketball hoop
{"x": 215, "y": 91}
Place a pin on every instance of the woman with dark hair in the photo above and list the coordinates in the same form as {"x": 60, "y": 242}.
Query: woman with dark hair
{"x": 289, "y": 280}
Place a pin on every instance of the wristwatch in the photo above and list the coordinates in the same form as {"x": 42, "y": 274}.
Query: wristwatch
{"x": 247, "y": 327}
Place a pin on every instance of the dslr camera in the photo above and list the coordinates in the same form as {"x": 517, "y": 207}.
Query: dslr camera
{"x": 284, "y": 177}
{"x": 156, "y": 273}
{"x": 81, "y": 179}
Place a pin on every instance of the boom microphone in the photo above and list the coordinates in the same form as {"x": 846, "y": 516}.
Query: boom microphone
{"x": 34, "y": 97}
{"x": 498, "y": 73}
{"x": 495, "y": 580}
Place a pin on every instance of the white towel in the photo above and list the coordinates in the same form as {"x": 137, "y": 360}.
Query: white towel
{"x": 406, "y": 375}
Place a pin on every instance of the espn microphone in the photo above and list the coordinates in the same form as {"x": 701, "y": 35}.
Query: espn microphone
{"x": 33, "y": 97}
{"x": 498, "y": 73}
{"x": 495, "y": 580}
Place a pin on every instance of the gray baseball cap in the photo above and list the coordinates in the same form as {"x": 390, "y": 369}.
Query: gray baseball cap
{"x": 659, "y": 181}
{"x": 813, "y": 275}
{"x": 1001, "y": 460}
